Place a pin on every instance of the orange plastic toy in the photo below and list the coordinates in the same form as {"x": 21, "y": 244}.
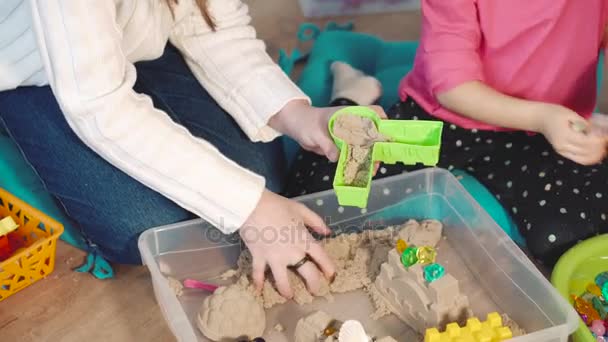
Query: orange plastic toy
{"x": 584, "y": 307}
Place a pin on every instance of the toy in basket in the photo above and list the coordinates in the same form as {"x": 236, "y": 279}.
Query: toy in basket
{"x": 32, "y": 244}
{"x": 364, "y": 138}
{"x": 7, "y": 225}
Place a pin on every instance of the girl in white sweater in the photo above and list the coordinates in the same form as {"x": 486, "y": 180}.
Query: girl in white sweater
{"x": 139, "y": 113}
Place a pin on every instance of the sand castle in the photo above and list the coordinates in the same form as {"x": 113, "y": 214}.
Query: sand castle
{"x": 418, "y": 303}
{"x": 367, "y": 261}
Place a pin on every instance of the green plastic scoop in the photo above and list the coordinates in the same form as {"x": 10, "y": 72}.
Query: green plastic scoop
{"x": 412, "y": 141}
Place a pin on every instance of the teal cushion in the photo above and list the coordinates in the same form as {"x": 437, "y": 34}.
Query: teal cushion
{"x": 388, "y": 62}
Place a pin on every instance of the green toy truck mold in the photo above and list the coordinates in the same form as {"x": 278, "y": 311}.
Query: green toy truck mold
{"x": 412, "y": 141}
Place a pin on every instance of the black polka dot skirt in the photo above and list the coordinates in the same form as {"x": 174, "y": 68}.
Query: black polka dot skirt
{"x": 554, "y": 202}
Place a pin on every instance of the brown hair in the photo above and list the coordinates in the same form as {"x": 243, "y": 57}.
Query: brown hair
{"x": 202, "y": 5}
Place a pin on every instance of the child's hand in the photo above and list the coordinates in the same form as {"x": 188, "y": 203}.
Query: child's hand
{"x": 308, "y": 126}
{"x": 599, "y": 124}
{"x": 569, "y": 134}
{"x": 277, "y": 236}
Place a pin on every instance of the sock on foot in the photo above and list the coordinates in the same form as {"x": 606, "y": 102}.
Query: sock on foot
{"x": 354, "y": 85}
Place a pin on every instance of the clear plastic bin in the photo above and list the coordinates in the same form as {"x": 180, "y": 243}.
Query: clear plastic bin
{"x": 493, "y": 271}
{"x": 325, "y": 8}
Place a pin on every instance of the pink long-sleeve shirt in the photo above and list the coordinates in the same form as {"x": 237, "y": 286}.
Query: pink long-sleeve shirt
{"x": 540, "y": 50}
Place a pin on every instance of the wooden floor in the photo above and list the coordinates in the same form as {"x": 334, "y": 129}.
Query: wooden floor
{"x": 69, "y": 306}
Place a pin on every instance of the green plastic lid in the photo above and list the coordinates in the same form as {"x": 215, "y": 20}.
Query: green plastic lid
{"x": 412, "y": 141}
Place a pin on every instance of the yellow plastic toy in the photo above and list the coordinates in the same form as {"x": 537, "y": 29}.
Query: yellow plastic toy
{"x": 7, "y": 225}
{"x": 37, "y": 237}
{"x": 491, "y": 330}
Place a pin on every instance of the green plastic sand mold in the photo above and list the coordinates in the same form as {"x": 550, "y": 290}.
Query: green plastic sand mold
{"x": 412, "y": 142}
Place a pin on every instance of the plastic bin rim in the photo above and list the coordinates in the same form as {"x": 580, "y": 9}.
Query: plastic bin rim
{"x": 572, "y": 318}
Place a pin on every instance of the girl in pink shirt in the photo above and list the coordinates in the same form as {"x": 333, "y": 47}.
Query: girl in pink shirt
{"x": 496, "y": 71}
{"x": 512, "y": 80}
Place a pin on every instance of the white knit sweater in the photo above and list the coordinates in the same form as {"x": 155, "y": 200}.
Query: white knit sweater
{"x": 85, "y": 50}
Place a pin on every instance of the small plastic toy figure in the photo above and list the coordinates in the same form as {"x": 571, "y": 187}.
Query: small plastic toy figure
{"x": 7, "y": 225}
{"x": 332, "y": 328}
{"x": 601, "y": 279}
{"x": 585, "y": 308}
{"x": 594, "y": 289}
{"x": 408, "y": 257}
{"x": 401, "y": 246}
{"x": 433, "y": 272}
{"x": 598, "y": 328}
{"x": 426, "y": 255}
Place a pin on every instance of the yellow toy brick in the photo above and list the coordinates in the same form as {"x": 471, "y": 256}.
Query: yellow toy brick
{"x": 491, "y": 330}
{"x": 7, "y": 225}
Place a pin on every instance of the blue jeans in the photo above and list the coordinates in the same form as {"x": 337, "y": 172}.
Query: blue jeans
{"x": 110, "y": 207}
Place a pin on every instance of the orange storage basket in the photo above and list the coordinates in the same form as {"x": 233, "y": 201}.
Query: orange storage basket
{"x": 35, "y": 259}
